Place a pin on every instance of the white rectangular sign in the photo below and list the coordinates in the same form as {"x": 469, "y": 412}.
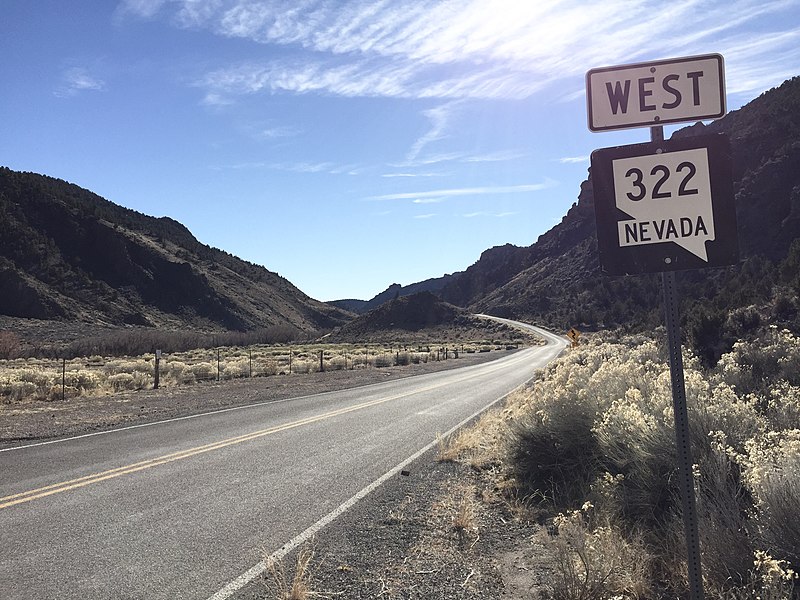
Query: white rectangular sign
{"x": 656, "y": 93}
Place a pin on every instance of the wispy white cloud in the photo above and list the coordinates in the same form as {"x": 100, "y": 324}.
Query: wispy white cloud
{"x": 411, "y": 175}
{"x": 215, "y": 99}
{"x": 460, "y": 157}
{"x": 430, "y": 159}
{"x": 268, "y": 131}
{"x": 780, "y": 59}
{"x": 483, "y": 213}
{"x": 296, "y": 167}
{"x": 439, "y": 118}
{"x": 474, "y": 49}
{"x": 76, "y": 80}
{"x": 143, "y": 9}
{"x": 470, "y": 191}
{"x": 501, "y": 156}
{"x": 571, "y": 160}
{"x": 428, "y": 200}
{"x": 425, "y": 216}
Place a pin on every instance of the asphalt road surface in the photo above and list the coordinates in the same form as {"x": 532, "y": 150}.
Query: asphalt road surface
{"x": 181, "y": 509}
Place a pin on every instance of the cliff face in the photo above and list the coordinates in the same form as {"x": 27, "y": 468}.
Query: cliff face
{"x": 68, "y": 254}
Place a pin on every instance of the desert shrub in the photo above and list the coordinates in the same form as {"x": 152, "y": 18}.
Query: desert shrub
{"x": 302, "y": 366}
{"x": 128, "y": 365}
{"x": 38, "y": 381}
{"x": 121, "y": 381}
{"x": 176, "y": 371}
{"x": 140, "y": 341}
{"x": 337, "y": 363}
{"x": 754, "y": 366}
{"x": 269, "y": 367}
{"x": 554, "y": 451}
{"x": 403, "y": 358}
{"x": 781, "y": 406}
{"x": 598, "y": 424}
{"x": 19, "y": 390}
{"x": 83, "y": 380}
{"x": 636, "y": 444}
{"x": 204, "y": 371}
{"x": 770, "y": 579}
{"x": 141, "y": 380}
{"x": 382, "y": 361}
{"x": 233, "y": 369}
{"x": 772, "y": 471}
{"x": 10, "y": 345}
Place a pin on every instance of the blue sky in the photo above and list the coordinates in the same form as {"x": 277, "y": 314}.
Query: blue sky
{"x": 349, "y": 145}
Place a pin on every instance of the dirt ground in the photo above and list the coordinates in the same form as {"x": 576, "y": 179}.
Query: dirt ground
{"x": 435, "y": 533}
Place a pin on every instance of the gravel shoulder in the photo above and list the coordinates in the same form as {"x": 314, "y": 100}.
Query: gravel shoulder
{"x": 439, "y": 531}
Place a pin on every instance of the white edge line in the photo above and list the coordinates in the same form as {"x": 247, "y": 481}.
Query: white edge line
{"x": 235, "y": 585}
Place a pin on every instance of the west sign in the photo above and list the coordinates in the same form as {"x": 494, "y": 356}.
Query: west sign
{"x": 665, "y": 206}
{"x": 656, "y": 93}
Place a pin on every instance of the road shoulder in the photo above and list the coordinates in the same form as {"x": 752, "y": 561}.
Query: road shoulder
{"x": 438, "y": 531}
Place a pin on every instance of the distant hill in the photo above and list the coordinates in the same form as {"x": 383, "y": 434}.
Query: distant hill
{"x": 422, "y": 317}
{"x": 394, "y": 291}
{"x": 556, "y": 281}
{"x": 68, "y": 254}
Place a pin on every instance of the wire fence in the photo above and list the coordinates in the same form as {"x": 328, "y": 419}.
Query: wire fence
{"x": 61, "y": 379}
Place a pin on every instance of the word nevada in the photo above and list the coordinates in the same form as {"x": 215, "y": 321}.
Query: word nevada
{"x": 685, "y": 231}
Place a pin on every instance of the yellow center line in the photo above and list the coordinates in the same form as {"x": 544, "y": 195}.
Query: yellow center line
{"x": 57, "y": 488}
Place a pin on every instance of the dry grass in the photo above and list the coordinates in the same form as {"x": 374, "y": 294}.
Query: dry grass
{"x": 48, "y": 379}
{"x": 447, "y": 548}
{"x": 595, "y": 562}
{"x": 464, "y": 522}
{"x": 281, "y": 585}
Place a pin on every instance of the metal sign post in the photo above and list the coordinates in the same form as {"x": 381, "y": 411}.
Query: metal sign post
{"x": 681, "y": 415}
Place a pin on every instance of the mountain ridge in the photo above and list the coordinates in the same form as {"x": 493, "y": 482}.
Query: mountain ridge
{"x": 393, "y": 292}
{"x": 69, "y": 254}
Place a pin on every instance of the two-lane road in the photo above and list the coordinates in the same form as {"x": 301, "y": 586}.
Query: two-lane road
{"x": 181, "y": 508}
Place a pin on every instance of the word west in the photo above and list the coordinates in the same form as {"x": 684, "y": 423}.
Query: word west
{"x": 619, "y": 92}
{"x": 656, "y": 93}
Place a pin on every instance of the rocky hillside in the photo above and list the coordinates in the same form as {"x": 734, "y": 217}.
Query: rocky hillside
{"x": 556, "y": 281}
{"x": 393, "y": 292}
{"x": 423, "y": 317}
{"x": 67, "y": 254}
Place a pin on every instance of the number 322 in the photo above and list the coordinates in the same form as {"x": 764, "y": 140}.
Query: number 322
{"x": 664, "y": 172}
